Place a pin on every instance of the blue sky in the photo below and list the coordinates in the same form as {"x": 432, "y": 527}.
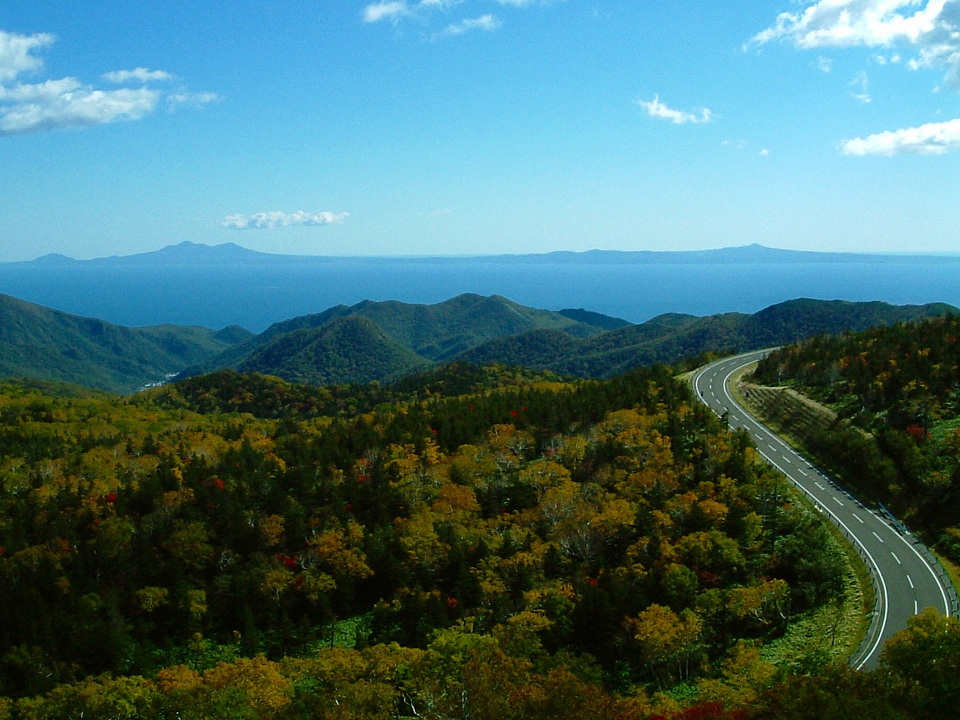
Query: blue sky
{"x": 425, "y": 127}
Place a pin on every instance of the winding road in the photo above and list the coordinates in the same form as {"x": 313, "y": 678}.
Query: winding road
{"x": 905, "y": 576}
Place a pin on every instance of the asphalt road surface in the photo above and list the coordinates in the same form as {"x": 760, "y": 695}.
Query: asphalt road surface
{"x": 906, "y": 579}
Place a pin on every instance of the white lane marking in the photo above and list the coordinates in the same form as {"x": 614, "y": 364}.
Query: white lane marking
{"x": 877, "y": 536}
{"x": 896, "y": 558}
{"x": 916, "y": 608}
{"x": 819, "y": 486}
{"x": 877, "y": 629}
{"x": 838, "y": 502}
{"x": 910, "y": 580}
{"x": 857, "y": 518}
{"x": 802, "y": 472}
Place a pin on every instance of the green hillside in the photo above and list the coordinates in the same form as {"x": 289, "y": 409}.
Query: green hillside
{"x": 671, "y": 338}
{"x": 340, "y": 351}
{"x": 386, "y": 340}
{"x": 896, "y": 392}
{"x": 426, "y": 333}
{"x": 38, "y": 342}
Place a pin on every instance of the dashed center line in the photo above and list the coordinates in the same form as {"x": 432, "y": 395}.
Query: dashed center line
{"x": 896, "y": 558}
{"x": 819, "y": 486}
{"x": 910, "y": 580}
{"x": 857, "y": 518}
{"x": 877, "y": 537}
{"x": 838, "y": 502}
{"x": 916, "y": 608}
{"x": 802, "y": 472}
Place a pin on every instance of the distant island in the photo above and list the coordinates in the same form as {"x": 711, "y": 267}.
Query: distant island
{"x": 191, "y": 253}
{"x": 223, "y": 285}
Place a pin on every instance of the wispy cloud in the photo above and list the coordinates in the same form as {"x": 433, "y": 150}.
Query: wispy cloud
{"x": 269, "y": 220}
{"x": 375, "y": 12}
{"x": 929, "y": 139}
{"x": 527, "y": 3}
{"x": 931, "y": 27}
{"x": 426, "y": 12}
{"x": 68, "y": 102}
{"x": 861, "y": 83}
{"x": 195, "y": 100}
{"x": 656, "y": 109}
{"x": 140, "y": 74}
{"x": 487, "y": 23}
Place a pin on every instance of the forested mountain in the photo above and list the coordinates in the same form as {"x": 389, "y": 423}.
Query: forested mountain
{"x": 483, "y": 330}
{"x": 37, "y": 342}
{"x": 429, "y": 333}
{"x": 896, "y": 390}
{"x": 387, "y": 340}
{"x": 670, "y": 338}
{"x": 342, "y": 350}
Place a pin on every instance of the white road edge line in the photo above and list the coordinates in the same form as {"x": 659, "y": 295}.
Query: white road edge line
{"x": 873, "y": 563}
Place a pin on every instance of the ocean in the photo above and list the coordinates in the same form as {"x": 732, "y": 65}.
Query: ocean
{"x": 255, "y": 296}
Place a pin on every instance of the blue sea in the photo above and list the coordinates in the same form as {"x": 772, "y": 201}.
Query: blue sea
{"x": 255, "y": 296}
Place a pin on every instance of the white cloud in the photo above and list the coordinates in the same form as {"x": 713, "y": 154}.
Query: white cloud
{"x": 657, "y": 109}
{"x": 140, "y": 74}
{"x": 80, "y": 106}
{"x": 932, "y": 27}
{"x": 192, "y": 99}
{"x": 423, "y": 11}
{"x": 69, "y": 102}
{"x": 861, "y": 82}
{"x": 825, "y": 64}
{"x": 487, "y": 23}
{"x": 929, "y": 139}
{"x": 765, "y": 152}
{"x": 375, "y": 12}
{"x": 268, "y": 220}
{"x": 16, "y": 53}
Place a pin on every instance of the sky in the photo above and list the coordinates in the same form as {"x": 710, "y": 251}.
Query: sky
{"x": 465, "y": 127}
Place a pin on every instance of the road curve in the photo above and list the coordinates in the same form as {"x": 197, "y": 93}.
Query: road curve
{"x": 906, "y": 579}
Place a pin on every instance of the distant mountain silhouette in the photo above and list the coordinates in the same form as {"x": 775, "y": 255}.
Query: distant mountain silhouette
{"x": 190, "y": 253}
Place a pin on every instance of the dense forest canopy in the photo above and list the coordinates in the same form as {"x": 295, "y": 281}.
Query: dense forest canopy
{"x": 611, "y": 536}
{"x": 896, "y": 390}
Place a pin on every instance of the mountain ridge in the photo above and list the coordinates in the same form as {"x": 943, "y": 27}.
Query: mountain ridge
{"x": 188, "y": 252}
{"x": 42, "y": 343}
{"x": 476, "y": 329}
